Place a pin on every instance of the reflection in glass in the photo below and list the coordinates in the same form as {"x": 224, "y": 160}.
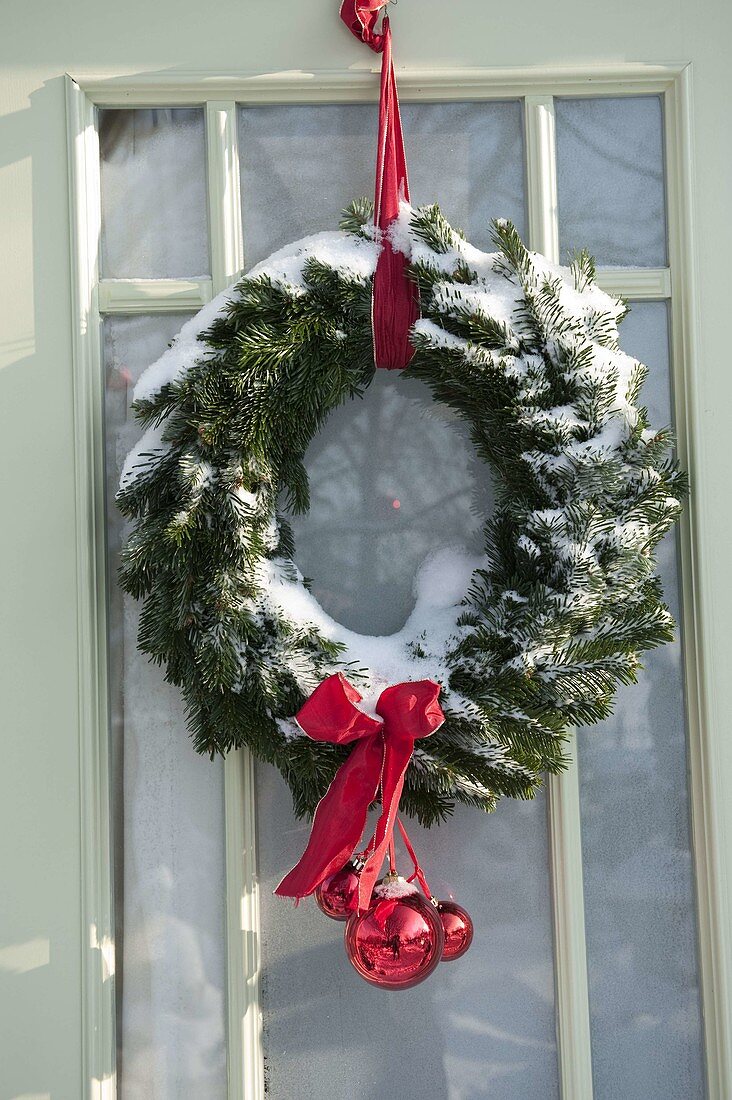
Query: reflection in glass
{"x": 468, "y": 157}
{"x": 610, "y": 177}
{"x": 639, "y": 897}
{"x": 168, "y": 809}
{"x": 153, "y": 169}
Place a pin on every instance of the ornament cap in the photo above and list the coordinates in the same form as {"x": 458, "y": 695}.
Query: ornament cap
{"x": 394, "y": 886}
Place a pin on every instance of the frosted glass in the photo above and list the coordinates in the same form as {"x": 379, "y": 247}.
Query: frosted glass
{"x": 153, "y": 167}
{"x": 168, "y": 810}
{"x": 610, "y": 178}
{"x": 482, "y": 1026}
{"x": 302, "y": 165}
{"x": 393, "y": 477}
{"x": 639, "y": 897}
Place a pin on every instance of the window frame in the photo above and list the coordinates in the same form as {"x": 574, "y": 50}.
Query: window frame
{"x": 94, "y": 298}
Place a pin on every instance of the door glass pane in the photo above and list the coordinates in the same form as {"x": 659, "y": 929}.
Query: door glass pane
{"x": 302, "y": 165}
{"x": 392, "y": 478}
{"x": 483, "y": 1026}
{"x": 639, "y": 896}
{"x": 480, "y": 1027}
{"x": 610, "y": 178}
{"x": 168, "y": 808}
{"x": 486, "y": 1024}
{"x": 153, "y": 193}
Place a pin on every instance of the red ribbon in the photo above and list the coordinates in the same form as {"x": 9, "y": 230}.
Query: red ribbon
{"x": 380, "y": 758}
{"x": 395, "y": 303}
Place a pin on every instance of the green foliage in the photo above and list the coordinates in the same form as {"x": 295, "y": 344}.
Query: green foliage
{"x": 567, "y": 598}
{"x": 357, "y": 216}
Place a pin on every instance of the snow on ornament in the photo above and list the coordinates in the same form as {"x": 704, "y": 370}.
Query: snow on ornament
{"x": 502, "y": 655}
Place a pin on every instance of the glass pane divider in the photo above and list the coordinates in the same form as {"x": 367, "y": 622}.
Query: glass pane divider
{"x": 541, "y": 175}
{"x": 224, "y": 194}
{"x": 176, "y": 295}
{"x": 639, "y": 283}
{"x": 245, "y": 1052}
{"x": 245, "y": 1049}
{"x": 153, "y": 295}
{"x": 563, "y": 804}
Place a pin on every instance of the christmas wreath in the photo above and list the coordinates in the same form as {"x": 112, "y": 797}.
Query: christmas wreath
{"x": 473, "y": 698}
{"x": 524, "y": 644}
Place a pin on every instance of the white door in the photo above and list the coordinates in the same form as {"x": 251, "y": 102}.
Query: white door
{"x": 602, "y": 960}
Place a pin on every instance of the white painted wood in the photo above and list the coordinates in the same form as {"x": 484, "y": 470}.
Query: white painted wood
{"x": 244, "y": 1014}
{"x": 563, "y": 804}
{"x": 541, "y": 175}
{"x": 153, "y": 295}
{"x": 710, "y": 802}
{"x": 96, "y": 864}
{"x": 358, "y": 84}
{"x": 224, "y": 200}
{"x": 637, "y": 283}
{"x": 173, "y": 295}
{"x": 570, "y": 949}
{"x": 245, "y": 1054}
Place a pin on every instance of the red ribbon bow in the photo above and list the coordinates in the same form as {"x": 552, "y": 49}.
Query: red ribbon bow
{"x": 361, "y": 17}
{"x": 395, "y": 304}
{"x": 381, "y": 756}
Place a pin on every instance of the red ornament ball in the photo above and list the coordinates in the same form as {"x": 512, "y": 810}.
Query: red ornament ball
{"x": 458, "y": 927}
{"x": 397, "y": 942}
{"x": 336, "y": 895}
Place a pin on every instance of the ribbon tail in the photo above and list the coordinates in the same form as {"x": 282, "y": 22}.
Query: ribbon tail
{"x": 418, "y": 872}
{"x": 397, "y": 754}
{"x": 395, "y": 304}
{"x": 339, "y": 820}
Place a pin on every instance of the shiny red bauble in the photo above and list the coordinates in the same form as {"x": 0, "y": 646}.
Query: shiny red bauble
{"x": 336, "y": 895}
{"x": 458, "y": 928}
{"x": 397, "y": 942}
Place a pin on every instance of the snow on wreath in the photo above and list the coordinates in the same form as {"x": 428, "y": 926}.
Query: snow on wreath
{"x": 526, "y": 642}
